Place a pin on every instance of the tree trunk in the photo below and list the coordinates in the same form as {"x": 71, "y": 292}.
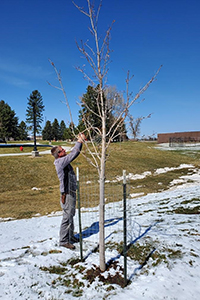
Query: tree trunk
{"x": 102, "y": 200}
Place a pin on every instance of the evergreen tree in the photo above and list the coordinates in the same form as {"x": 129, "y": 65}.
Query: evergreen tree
{"x": 22, "y": 131}
{"x": 8, "y": 122}
{"x": 68, "y": 134}
{"x": 34, "y": 113}
{"x": 89, "y": 113}
{"x": 62, "y": 130}
{"x": 47, "y": 131}
{"x": 90, "y": 99}
{"x": 55, "y": 129}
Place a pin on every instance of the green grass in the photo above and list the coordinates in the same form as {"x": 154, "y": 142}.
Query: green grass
{"x": 20, "y": 174}
{"x": 40, "y": 146}
{"x": 141, "y": 251}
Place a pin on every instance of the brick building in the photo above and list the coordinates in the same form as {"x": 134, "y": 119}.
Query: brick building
{"x": 184, "y": 137}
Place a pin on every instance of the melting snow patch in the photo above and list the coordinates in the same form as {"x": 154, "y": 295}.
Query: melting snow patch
{"x": 167, "y": 169}
{"x": 35, "y": 189}
{"x": 136, "y": 195}
{"x": 132, "y": 176}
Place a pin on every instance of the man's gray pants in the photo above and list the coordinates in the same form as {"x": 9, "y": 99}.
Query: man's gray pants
{"x": 67, "y": 224}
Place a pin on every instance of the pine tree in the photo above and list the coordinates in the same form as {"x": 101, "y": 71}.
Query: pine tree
{"x": 89, "y": 114}
{"x": 22, "y": 131}
{"x": 55, "y": 129}
{"x": 68, "y": 134}
{"x": 62, "y": 130}
{"x": 34, "y": 113}
{"x": 8, "y": 122}
{"x": 47, "y": 131}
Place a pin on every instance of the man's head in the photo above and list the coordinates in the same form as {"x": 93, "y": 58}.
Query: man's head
{"x": 58, "y": 152}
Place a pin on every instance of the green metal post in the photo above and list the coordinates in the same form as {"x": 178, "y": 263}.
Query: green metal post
{"x": 79, "y": 214}
{"x": 125, "y": 228}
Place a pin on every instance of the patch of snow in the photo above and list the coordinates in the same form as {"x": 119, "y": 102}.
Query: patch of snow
{"x": 35, "y": 189}
{"x": 28, "y": 246}
{"x": 167, "y": 169}
{"x": 136, "y": 195}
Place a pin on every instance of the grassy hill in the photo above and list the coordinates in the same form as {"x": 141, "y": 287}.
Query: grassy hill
{"x": 20, "y": 174}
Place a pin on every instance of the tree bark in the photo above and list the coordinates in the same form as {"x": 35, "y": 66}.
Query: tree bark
{"x": 102, "y": 199}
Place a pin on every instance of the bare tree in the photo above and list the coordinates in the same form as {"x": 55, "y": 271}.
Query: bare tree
{"x": 98, "y": 59}
{"x": 135, "y": 124}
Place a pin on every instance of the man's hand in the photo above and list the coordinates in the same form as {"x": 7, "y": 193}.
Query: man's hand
{"x": 63, "y": 198}
{"x": 81, "y": 137}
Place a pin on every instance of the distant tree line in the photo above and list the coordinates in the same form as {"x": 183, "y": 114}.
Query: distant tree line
{"x": 10, "y": 128}
{"x": 9, "y": 122}
{"x": 88, "y": 117}
{"x": 56, "y": 131}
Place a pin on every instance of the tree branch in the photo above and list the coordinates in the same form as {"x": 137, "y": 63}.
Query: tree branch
{"x": 62, "y": 89}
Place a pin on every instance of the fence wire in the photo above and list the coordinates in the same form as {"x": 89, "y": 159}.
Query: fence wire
{"x": 89, "y": 203}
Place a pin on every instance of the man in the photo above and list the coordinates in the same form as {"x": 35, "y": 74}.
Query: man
{"x": 68, "y": 187}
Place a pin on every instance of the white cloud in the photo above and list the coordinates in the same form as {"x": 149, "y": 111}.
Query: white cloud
{"x": 13, "y": 80}
{"x": 19, "y": 68}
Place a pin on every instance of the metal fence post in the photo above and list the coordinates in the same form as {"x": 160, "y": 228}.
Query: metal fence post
{"x": 79, "y": 214}
{"x": 125, "y": 228}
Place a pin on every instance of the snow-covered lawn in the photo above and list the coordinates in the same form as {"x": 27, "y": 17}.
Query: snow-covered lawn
{"x": 33, "y": 266}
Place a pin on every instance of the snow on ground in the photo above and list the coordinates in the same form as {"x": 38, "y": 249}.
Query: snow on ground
{"x": 132, "y": 176}
{"x": 29, "y": 250}
{"x": 184, "y": 146}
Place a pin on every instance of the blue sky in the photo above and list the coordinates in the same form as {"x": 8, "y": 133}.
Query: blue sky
{"x": 145, "y": 35}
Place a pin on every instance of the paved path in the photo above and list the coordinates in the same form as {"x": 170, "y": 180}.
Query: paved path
{"x": 30, "y": 153}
